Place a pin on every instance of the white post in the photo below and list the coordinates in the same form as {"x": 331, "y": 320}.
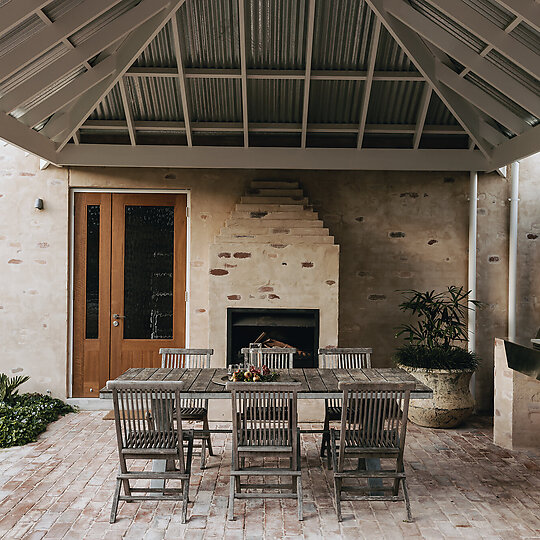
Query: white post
{"x": 473, "y": 226}
{"x": 512, "y": 250}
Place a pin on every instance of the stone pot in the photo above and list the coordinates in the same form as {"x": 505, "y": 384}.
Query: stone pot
{"x": 452, "y": 400}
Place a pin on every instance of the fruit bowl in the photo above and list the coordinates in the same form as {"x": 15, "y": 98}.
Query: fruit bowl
{"x": 254, "y": 374}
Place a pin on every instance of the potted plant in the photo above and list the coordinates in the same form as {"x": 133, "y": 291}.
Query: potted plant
{"x": 434, "y": 356}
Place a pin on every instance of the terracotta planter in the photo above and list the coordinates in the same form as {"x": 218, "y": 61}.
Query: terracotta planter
{"x": 452, "y": 400}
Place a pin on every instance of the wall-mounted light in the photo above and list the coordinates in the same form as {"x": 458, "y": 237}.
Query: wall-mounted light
{"x": 38, "y": 204}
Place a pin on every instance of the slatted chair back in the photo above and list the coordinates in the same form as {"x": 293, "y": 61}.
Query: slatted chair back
{"x": 272, "y": 357}
{"x": 344, "y": 358}
{"x": 264, "y": 417}
{"x": 187, "y": 358}
{"x": 374, "y": 418}
{"x": 147, "y": 418}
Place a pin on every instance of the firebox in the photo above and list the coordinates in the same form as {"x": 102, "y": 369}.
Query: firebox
{"x": 298, "y": 328}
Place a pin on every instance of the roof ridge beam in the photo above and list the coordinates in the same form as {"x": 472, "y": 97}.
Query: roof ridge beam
{"x": 437, "y": 35}
{"x": 111, "y": 33}
{"x": 491, "y": 34}
{"x": 426, "y": 63}
{"x": 62, "y": 127}
{"x": 307, "y": 79}
{"x": 12, "y": 13}
{"x": 369, "y": 80}
{"x": 55, "y": 33}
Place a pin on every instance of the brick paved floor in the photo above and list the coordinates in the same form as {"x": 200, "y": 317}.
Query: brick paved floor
{"x": 462, "y": 486}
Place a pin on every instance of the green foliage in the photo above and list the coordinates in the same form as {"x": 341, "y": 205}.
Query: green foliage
{"x": 26, "y": 416}
{"x": 440, "y": 325}
{"x": 9, "y": 385}
{"x": 450, "y": 358}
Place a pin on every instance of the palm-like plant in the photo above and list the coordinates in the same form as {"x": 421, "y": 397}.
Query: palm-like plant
{"x": 9, "y": 385}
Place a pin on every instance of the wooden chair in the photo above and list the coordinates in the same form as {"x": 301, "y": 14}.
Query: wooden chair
{"x": 192, "y": 409}
{"x": 271, "y": 357}
{"x": 145, "y": 414}
{"x": 373, "y": 425}
{"x": 339, "y": 358}
{"x": 265, "y": 425}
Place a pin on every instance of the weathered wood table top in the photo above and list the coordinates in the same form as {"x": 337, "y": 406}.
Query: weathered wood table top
{"x": 316, "y": 383}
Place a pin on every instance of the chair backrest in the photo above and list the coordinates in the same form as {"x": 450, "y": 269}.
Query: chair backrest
{"x": 145, "y": 414}
{"x": 272, "y": 357}
{"x": 345, "y": 358}
{"x": 264, "y": 414}
{"x": 185, "y": 358}
{"x": 374, "y": 416}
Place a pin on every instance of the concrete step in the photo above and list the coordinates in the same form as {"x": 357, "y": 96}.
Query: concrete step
{"x": 263, "y": 222}
{"x": 266, "y": 207}
{"x": 264, "y": 215}
{"x": 258, "y": 230}
{"x": 255, "y": 199}
{"x": 296, "y": 194}
{"x": 274, "y": 184}
{"x": 273, "y": 239}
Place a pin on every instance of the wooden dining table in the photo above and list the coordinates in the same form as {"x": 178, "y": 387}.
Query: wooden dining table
{"x": 316, "y": 383}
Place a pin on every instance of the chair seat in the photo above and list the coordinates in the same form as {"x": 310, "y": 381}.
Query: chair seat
{"x": 193, "y": 413}
{"x": 152, "y": 440}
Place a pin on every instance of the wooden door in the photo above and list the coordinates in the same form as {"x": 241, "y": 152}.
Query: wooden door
{"x": 129, "y": 286}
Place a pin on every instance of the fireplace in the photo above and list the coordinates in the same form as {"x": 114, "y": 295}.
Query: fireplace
{"x": 298, "y": 328}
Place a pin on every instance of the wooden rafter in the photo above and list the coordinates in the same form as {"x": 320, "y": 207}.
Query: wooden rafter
{"x": 181, "y": 77}
{"x": 127, "y": 111}
{"x": 13, "y": 13}
{"x": 307, "y": 74}
{"x": 422, "y": 113}
{"x": 243, "y": 69}
{"x": 526, "y": 10}
{"x": 369, "y": 80}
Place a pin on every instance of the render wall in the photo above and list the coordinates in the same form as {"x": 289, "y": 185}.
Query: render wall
{"x": 396, "y": 230}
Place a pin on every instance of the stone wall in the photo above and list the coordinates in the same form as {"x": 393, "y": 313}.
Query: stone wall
{"x": 396, "y": 230}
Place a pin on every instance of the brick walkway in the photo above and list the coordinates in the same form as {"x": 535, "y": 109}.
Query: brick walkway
{"x": 462, "y": 486}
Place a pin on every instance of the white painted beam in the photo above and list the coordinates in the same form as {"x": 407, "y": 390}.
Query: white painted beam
{"x": 54, "y": 33}
{"x": 243, "y": 69}
{"x": 426, "y": 63}
{"x": 369, "y": 80}
{"x": 270, "y": 158}
{"x": 307, "y": 79}
{"x": 528, "y": 10}
{"x": 12, "y": 13}
{"x": 513, "y": 250}
{"x": 127, "y": 111}
{"x": 175, "y": 22}
{"x": 274, "y": 74}
{"x": 61, "y": 129}
{"x": 443, "y": 39}
{"x": 109, "y": 34}
{"x": 491, "y": 34}
{"x": 471, "y": 287}
{"x": 517, "y": 148}
{"x": 422, "y": 113}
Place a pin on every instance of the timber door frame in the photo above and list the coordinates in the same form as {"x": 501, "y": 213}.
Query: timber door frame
{"x": 71, "y": 326}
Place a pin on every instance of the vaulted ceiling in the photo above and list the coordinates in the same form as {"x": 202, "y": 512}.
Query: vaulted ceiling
{"x": 325, "y": 84}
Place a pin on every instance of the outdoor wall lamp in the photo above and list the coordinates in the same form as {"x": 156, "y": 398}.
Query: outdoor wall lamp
{"x": 38, "y": 204}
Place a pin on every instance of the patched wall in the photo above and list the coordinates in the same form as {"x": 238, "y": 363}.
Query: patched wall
{"x": 396, "y": 230}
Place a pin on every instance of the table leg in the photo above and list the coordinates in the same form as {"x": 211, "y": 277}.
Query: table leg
{"x": 374, "y": 464}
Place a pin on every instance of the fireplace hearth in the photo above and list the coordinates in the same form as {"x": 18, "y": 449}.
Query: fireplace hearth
{"x": 298, "y": 328}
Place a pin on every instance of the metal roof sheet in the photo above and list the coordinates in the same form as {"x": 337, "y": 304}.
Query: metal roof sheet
{"x": 335, "y": 102}
{"x": 215, "y": 100}
{"x": 394, "y": 102}
{"x": 275, "y": 100}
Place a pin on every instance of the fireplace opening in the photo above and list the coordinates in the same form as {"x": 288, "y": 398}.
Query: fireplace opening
{"x": 298, "y": 328}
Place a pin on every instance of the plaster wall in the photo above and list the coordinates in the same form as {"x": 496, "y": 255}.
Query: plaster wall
{"x": 396, "y": 230}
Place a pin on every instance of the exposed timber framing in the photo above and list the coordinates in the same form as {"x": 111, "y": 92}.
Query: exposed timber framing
{"x": 56, "y": 32}
{"x": 427, "y": 64}
{"x": 103, "y": 38}
{"x": 307, "y": 78}
{"x": 181, "y": 77}
{"x": 270, "y": 158}
{"x": 369, "y": 80}
{"x": 525, "y": 9}
{"x": 61, "y": 129}
{"x": 13, "y": 13}
{"x": 455, "y": 48}
{"x": 422, "y": 113}
{"x": 127, "y": 111}
{"x": 243, "y": 69}
{"x": 517, "y": 148}
{"x": 275, "y": 74}
{"x": 228, "y": 127}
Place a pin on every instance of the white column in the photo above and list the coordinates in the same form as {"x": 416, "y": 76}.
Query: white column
{"x": 473, "y": 226}
{"x": 512, "y": 251}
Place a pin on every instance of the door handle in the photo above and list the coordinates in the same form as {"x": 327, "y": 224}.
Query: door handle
{"x": 116, "y": 316}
